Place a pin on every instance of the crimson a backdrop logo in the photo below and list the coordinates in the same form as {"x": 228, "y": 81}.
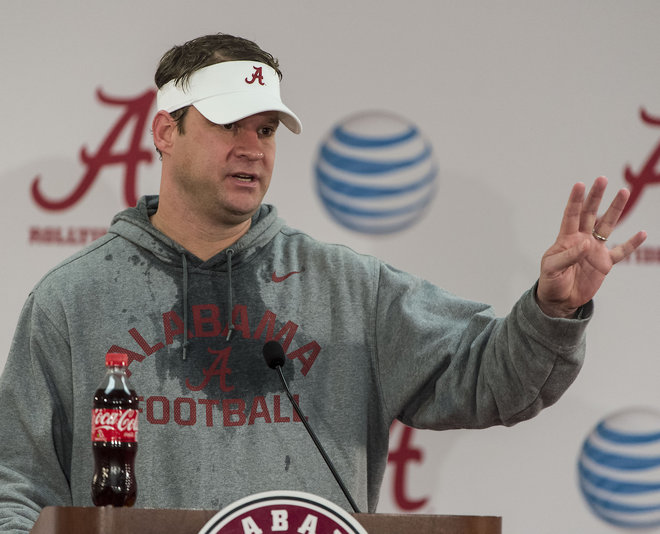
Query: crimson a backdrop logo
{"x": 136, "y": 111}
{"x": 637, "y": 182}
{"x": 135, "y": 116}
{"x": 647, "y": 174}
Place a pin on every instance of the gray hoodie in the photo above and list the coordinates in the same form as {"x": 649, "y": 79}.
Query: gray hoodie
{"x": 365, "y": 343}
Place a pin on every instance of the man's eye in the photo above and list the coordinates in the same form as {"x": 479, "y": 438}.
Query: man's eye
{"x": 229, "y": 126}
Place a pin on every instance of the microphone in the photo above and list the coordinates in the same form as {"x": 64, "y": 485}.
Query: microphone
{"x": 274, "y": 356}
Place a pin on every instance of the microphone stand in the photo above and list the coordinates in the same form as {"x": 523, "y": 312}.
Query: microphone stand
{"x": 316, "y": 441}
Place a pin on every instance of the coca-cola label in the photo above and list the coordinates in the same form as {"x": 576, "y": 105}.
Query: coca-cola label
{"x": 114, "y": 425}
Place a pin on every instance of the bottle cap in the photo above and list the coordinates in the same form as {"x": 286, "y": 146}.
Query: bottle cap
{"x": 116, "y": 359}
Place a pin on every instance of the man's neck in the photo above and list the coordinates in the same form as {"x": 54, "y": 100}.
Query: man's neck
{"x": 202, "y": 240}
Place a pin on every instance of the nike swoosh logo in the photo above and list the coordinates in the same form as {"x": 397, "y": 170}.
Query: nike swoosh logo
{"x": 278, "y": 279}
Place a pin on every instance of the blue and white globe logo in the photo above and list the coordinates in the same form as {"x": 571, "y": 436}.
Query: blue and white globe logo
{"x": 376, "y": 173}
{"x": 619, "y": 469}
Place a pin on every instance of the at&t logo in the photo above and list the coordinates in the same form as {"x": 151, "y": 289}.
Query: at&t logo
{"x": 619, "y": 468}
{"x": 375, "y": 173}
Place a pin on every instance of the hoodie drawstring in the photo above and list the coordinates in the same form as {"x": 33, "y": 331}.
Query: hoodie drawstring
{"x": 230, "y": 303}
{"x": 184, "y": 261}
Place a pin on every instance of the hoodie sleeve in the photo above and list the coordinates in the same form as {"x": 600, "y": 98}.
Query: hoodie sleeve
{"x": 447, "y": 363}
{"x": 35, "y": 430}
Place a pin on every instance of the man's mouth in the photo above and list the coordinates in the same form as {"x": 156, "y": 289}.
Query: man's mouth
{"x": 244, "y": 177}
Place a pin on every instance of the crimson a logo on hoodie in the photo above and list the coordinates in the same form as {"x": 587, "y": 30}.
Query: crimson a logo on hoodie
{"x": 282, "y": 511}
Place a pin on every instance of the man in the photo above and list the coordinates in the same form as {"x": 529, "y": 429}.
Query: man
{"x": 192, "y": 283}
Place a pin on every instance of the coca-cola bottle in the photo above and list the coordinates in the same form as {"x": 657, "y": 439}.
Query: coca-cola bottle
{"x": 114, "y": 436}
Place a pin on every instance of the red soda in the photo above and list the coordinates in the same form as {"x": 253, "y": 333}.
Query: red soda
{"x": 114, "y": 436}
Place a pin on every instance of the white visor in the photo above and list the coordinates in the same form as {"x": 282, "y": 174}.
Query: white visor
{"x": 228, "y": 92}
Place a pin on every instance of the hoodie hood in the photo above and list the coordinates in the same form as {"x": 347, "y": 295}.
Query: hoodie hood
{"x": 133, "y": 224}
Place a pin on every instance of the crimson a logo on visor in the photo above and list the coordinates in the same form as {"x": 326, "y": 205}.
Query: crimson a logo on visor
{"x": 285, "y": 512}
{"x": 376, "y": 173}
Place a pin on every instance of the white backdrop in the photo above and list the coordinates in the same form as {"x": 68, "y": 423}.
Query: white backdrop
{"x": 519, "y": 99}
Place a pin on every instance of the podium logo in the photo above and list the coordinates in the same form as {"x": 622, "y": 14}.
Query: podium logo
{"x": 282, "y": 511}
{"x": 375, "y": 173}
{"x": 619, "y": 469}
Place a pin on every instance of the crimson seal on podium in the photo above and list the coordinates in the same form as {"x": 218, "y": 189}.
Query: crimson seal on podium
{"x": 288, "y": 512}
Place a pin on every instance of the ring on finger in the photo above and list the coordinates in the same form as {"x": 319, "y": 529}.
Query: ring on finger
{"x": 595, "y": 233}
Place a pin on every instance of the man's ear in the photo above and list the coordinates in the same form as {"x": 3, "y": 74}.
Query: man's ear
{"x": 163, "y": 129}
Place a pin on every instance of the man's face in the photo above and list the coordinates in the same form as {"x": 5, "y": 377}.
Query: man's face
{"x": 223, "y": 171}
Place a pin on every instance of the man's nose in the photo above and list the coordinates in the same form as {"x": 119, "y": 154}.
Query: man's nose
{"x": 248, "y": 145}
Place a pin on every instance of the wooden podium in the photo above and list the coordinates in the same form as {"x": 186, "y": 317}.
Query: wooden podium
{"x": 108, "y": 520}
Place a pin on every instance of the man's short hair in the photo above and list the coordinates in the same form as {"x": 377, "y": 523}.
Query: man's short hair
{"x": 181, "y": 61}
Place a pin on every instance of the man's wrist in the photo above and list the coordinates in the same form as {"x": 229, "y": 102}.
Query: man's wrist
{"x": 559, "y": 312}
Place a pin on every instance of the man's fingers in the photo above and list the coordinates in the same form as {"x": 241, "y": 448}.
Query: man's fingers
{"x": 606, "y": 224}
{"x": 621, "y": 252}
{"x": 591, "y": 204}
{"x": 562, "y": 260}
{"x": 570, "y": 223}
